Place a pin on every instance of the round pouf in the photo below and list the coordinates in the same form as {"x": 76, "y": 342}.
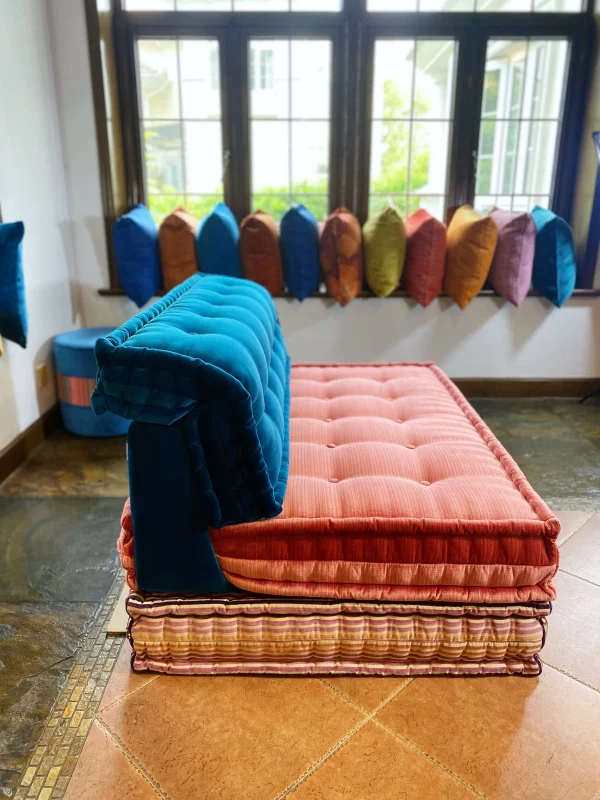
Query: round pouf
{"x": 76, "y": 369}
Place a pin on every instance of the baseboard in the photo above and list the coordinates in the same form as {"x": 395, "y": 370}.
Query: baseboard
{"x": 523, "y": 388}
{"x": 19, "y": 450}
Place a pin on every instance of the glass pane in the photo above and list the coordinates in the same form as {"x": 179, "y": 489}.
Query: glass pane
{"x": 204, "y": 5}
{"x": 528, "y": 202}
{"x": 434, "y": 78}
{"x": 429, "y": 157}
{"x": 162, "y": 205}
{"x": 520, "y": 118}
{"x": 435, "y": 205}
{"x": 270, "y": 157}
{"x": 559, "y": 5}
{"x": 413, "y": 81}
{"x": 318, "y": 204}
{"x": 392, "y": 84}
{"x": 200, "y": 79}
{"x": 273, "y": 204}
{"x": 447, "y": 5}
{"x": 539, "y": 147}
{"x": 203, "y": 157}
{"x": 389, "y": 157}
{"x": 484, "y": 203}
{"x": 268, "y": 77}
{"x": 309, "y": 142}
{"x": 163, "y": 158}
{"x": 391, "y": 5}
{"x": 261, "y": 5}
{"x": 290, "y": 86}
{"x": 311, "y": 79}
{"x": 504, "y": 5}
{"x": 379, "y": 203}
{"x": 157, "y": 60}
{"x": 149, "y": 5}
{"x": 317, "y": 5}
{"x": 201, "y": 205}
{"x": 546, "y": 68}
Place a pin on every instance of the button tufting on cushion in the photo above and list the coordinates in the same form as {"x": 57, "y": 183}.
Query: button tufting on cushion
{"x": 480, "y": 532}
{"x": 330, "y": 445}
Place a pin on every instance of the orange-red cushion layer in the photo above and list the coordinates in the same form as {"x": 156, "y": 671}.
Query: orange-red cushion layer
{"x": 390, "y": 466}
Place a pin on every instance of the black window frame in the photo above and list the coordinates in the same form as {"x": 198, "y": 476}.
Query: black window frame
{"x": 353, "y": 32}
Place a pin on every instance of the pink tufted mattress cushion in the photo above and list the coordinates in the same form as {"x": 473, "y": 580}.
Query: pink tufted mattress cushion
{"x": 397, "y": 490}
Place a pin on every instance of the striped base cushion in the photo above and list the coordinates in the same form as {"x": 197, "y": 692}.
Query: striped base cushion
{"x": 245, "y": 634}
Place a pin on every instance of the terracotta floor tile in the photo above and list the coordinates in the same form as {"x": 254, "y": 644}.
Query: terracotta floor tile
{"x": 509, "y": 738}
{"x": 375, "y": 765}
{"x": 122, "y": 680}
{"x": 367, "y": 693}
{"x": 230, "y": 737}
{"x": 581, "y": 554}
{"x": 103, "y": 772}
{"x": 573, "y": 642}
{"x": 570, "y": 521}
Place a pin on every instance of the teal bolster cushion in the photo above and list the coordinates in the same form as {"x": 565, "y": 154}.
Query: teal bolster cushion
{"x": 217, "y": 243}
{"x": 211, "y": 351}
{"x": 554, "y": 266}
{"x": 13, "y": 311}
{"x": 135, "y": 238}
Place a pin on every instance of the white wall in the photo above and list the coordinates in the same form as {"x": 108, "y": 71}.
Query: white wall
{"x": 32, "y": 189}
{"x": 489, "y": 339}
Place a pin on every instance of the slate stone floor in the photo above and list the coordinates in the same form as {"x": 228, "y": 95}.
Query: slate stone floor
{"x": 59, "y": 519}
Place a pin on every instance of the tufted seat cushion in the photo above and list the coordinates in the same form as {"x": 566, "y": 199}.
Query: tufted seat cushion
{"x": 397, "y": 491}
{"x": 210, "y": 357}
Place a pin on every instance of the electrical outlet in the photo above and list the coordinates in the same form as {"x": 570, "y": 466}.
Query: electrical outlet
{"x": 42, "y": 376}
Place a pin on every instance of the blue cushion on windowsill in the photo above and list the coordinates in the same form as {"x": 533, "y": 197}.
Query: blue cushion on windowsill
{"x": 13, "y": 311}
{"x": 135, "y": 239}
{"x": 211, "y": 351}
{"x": 217, "y": 243}
{"x": 554, "y": 266}
{"x": 299, "y": 242}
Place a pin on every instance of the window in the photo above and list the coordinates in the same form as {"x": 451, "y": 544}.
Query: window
{"x": 343, "y": 102}
{"x": 513, "y": 6}
{"x": 180, "y": 110}
{"x": 289, "y": 124}
{"x": 413, "y": 93}
{"x": 233, "y": 5}
{"x": 520, "y": 119}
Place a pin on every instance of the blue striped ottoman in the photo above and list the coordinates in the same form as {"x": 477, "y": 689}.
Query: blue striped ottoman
{"x": 76, "y": 375}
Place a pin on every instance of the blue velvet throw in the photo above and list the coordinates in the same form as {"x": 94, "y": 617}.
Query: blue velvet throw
{"x": 211, "y": 355}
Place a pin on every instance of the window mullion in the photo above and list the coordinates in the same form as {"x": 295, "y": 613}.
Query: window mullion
{"x": 234, "y": 73}
{"x": 469, "y": 83}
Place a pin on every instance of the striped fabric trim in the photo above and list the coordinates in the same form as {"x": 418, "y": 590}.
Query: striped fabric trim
{"x": 199, "y": 636}
{"x": 529, "y": 668}
{"x": 160, "y": 605}
{"x": 76, "y": 391}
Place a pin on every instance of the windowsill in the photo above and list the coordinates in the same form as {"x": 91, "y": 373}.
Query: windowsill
{"x": 366, "y": 293}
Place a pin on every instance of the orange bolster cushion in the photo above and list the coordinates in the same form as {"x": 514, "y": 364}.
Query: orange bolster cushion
{"x": 177, "y": 244}
{"x": 259, "y": 251}
{"x": 472, "y": 243}
{"x": 340, "y": 250}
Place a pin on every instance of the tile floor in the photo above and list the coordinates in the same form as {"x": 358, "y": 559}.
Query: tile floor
{"x": 243, "y": 738}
